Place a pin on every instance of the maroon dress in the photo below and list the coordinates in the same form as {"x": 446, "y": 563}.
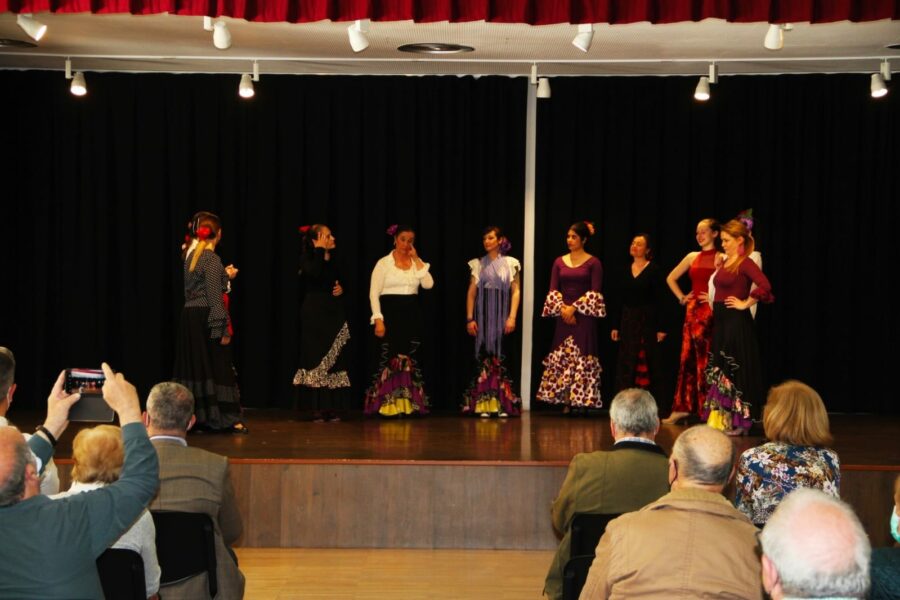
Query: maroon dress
{"x": 572, "y": 369}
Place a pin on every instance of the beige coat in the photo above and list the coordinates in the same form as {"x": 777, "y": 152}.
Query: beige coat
{"x": 688, "y": 544}
{"x": 194, "y": 480}
{"x": 618, "y": 481}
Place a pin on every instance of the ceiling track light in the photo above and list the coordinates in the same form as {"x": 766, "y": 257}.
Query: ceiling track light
{"x": 877, "y": 87}
{"x": 221, "y": 35}
{"x": 701, "y": 92}
{"x": 359, "y": 41}
{"x": 543, "y": 88}
{"x": 78, "y": 87}
{"x": 774, "y": 39}
{"x": 584, "y": 37}
{"x": 245, "y": 89}
{"x": 31, "y": 26}
{"x": 713, "y": 73}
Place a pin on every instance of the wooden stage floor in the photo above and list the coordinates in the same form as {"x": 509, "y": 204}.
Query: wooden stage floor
{"x": 534, "y": 438}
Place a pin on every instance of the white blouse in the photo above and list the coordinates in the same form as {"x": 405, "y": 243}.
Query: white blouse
{"x": 388, "y": 279}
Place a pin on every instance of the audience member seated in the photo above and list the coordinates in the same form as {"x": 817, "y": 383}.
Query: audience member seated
{"x": 796, "y": 424}
{"x": 885, "y": 569}
{"x": 97, "y": 455}
{"x": 691, "y": 543}
{"x": 193, "y": 480}
{"x": 621, "y": 480}
{"x": 50, "y": 547}
{"x": 50, "y": 475}
{"x": 814, "y": 547}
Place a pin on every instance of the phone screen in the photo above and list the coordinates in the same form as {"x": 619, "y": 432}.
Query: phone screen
{"x": 89, "y": 381}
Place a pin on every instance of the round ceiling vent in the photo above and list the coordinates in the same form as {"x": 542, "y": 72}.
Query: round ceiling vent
{"x": 435, "y": 48}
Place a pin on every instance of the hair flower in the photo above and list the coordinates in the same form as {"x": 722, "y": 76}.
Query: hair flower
{"x": 303, "y": 229}
{"x": 590, "y": 227}
{"x": 203, "y": 233}
{"x": 505, "y": 246}
{"x": 392, "y": 230}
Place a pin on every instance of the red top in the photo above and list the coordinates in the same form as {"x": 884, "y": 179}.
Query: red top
{"x": 738, "y": 284}
{"x": 702, "y": 268}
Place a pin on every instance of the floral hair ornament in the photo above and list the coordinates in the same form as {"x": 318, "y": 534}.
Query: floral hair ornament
{"x": 746, "y": 217}
{"x": 590, "y": 227}
{"x": 392, "y": 230}
{"x": 303, "y": 229}
{"x": 203, "y": 233}
{"x": 505, "y": 246}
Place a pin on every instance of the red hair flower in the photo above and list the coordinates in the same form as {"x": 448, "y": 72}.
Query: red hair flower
{"x": 303, "y": 229}
{"x": 203, "y": 233}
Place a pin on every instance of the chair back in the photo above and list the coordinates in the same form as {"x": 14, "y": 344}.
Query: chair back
{"x": 185, "y": 547}
{"x": 587, "y": 529}
{"x": 122, "y": 574}
{"x": 575, "y": 574}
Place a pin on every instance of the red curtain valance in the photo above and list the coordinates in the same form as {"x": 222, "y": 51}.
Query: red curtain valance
{"x": 534, "y": 12}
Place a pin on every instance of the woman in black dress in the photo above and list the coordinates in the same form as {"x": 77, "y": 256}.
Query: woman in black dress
{"x": 203, "y": 362}
{"x": 637, "y": 320}
{"x": 322, "y": 376}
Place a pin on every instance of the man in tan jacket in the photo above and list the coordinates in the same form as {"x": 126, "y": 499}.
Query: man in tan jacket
{"x": 690, "y": 543}
{"x": 623, "y": 479}
{"x": 196, "y": 481}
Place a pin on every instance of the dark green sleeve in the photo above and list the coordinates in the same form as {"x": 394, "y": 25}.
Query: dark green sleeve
{"x": 42, "y": 449}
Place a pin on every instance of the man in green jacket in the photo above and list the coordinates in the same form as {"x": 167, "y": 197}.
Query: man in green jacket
{"x": 50, "y": 547}
{"x": 620, "y": 480}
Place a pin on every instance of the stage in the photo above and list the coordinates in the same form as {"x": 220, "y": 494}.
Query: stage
{"x": 446, "y": 481}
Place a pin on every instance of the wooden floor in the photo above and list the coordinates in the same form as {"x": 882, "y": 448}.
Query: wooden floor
{"x": 312, "y": 573}
{"x": 536, "y": 437}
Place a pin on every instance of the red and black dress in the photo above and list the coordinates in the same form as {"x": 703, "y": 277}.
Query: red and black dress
{"x": 690, "y": 391}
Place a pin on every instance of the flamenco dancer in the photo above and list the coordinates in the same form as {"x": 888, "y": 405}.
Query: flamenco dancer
{"x": 572, "y": 369}
{"x": 492, "y": 303}
{"x": 322, "y": 377}
{"x": 398, "y": 388}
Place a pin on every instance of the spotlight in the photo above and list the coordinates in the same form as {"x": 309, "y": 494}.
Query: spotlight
{"x": 701, "y": 92}
{"x": 543, "y": 90}
{"x": 585, "y": 36}
{"x": 357, "y": 34}
{"x": 774, "y": 39}
{"x": 877, "y": 86}
{"x": 78, "y": 87}
{"x": 34, "y": 28}
{"x": 221, "y": 36}
{"x": 245, "y": 89}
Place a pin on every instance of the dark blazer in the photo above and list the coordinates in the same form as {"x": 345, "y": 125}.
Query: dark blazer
{"x": 621, "y": 480}
{"x": 194, "y": 480}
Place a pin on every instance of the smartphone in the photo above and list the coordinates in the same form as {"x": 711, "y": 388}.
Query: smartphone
{"x": 91, "y": 408}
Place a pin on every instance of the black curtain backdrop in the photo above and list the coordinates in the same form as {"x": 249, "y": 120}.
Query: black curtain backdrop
{"x": 98, "y": 190}
{"x": 814, "y": 156}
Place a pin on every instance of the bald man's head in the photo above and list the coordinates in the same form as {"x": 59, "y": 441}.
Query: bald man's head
{"x": 704, "y": 457}
{"x": 817, "y": 546}
{"x": 15, "y": 456}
